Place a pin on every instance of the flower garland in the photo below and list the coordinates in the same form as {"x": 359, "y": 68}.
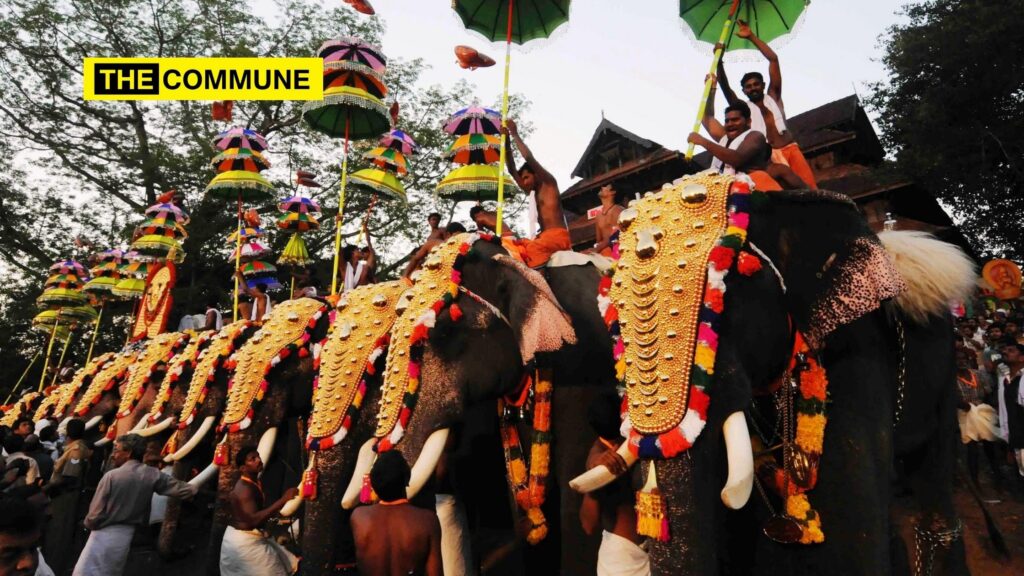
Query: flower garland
{"x": 299, "y": 346}
{"x": 529, "y": 485}
{"x": 119, "y": 368}
{"x": 238, "y": 329}
{"x": 86, "y": 374}
{"x": 420, "y": 334}
{"x": 809, "y": 438}
{"x": 720, "y": 260}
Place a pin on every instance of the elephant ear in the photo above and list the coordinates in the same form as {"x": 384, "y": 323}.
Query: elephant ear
{"x": 538, "y": 320}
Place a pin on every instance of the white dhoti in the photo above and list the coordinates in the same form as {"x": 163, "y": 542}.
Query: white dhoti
{"x": 456, "y": 552}
{"x": 980, "y": 423}
{"x": 250, "y": 553}
{"x": 106, "y": 552}
{"x": 620, "y": 557}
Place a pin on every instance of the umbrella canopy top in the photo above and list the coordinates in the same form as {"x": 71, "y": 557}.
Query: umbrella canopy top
{"x": 167, "y": 210}
{"x": 112, "y": 255}
{"x": 473, "y": 120}
{"x": 239, "y": 137}
{"x": 239, "y": 184}
{"x": 297, "y": 222}
{"x": 473, "y": 182}
{"x": 353, "y": 49}
{"x": 65, "y": 281}
{"x": 380, "y": 182}
{"x": 531, "y": 19}
{"x": 388, "y": 159}
{"x": 299, "y": 204}
{"x": 347, "y": 110}
{"x": 399, "y": 140}
{"x": 69, "y": 267}
{"x": 768, "y": 20}
{"x": 356, "y": 76}
{"x": 247, "y": 233}
{"x": 240, "y": 159}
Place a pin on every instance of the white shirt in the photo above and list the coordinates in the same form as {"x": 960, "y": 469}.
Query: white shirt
{"x": 270, "y": 306}
{"x": 352, "y": 275}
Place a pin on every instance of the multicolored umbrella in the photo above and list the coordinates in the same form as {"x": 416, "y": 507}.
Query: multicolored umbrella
{"x": 352, "y": 49}
{"x": 299, "y": 204}
{"x": 248, "y": 233}
{"x": 239, "y": 184}
{"x": 101, "y": 285}
{"x": 239, "y": 137}
{"x": 61, "y": 297}
{"x": 380, "y": 181}
{"x": 516, "y": 21}
{"x": 474, "y": 149}
{"x": 165, "y": 210}
{"x": 163, "y": 227}
{"x": 474, "y": 120}
{"x": 297, "y": 222}
{"x": 64, "y": 281}
{"x": 356, "y": 76}
{"x": 472, "y": 182}
{"x": 69, "y": 267}
{"x": 113, "y": 255}
{"x": 399, "y": 140}
{"x": 257, "y": 268}
{"x": 157, "y": 248}
{"x": 768, "y": 19}
{"x": 239, "y": 159}
{"x": 388, "y": 158}
{"x": 251, "y": 250}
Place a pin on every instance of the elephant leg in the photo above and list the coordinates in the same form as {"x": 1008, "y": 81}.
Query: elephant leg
{"x": 572, "y": 438}
{"x": 326, "y": 537}
{"x": 689, "y": 550}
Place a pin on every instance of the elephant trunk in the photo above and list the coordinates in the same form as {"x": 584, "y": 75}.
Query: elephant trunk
{"x": 689, "y": 550}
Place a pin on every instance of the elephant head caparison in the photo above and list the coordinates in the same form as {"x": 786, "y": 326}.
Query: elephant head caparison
{"x": 272, "y": 384}
{"x": 797, "y": 263}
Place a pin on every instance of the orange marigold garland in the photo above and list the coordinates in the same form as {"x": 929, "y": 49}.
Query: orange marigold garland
{"x": 529, "y": 484}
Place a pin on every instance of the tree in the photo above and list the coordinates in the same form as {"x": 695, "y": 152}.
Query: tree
{"x": 951, "y": 113}
{"x": 84, "y": 170}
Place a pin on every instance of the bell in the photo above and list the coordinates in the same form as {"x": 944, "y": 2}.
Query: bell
{"x": 783, "y": 529}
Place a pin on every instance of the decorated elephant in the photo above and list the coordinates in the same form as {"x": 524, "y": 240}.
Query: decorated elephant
{"x": 786, "y": 311}
{"x": 476, "y": 323}
{"x": 60, "y": 401}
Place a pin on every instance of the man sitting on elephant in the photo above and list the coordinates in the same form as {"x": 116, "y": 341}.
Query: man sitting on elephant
{"x": 394, "y": 538}
{"x": 432, "y": 240}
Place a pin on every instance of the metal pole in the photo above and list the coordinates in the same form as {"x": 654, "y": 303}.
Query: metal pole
{"x": 238, "y": 258}
{"x": 504, "y": 121}
{"x": 726, "y": 31}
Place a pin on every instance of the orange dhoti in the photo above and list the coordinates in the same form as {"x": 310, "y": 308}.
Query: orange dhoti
{"x": 536, "y": 252}
{"x": 792, "y": 156}
{"x": 763, "y": 182}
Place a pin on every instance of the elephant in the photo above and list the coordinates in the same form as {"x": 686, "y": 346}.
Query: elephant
{"x": 58, "y": 402}
{"x": 270, "y": 387}
{"x": 28, "y": 403}
{"x": 880, "y": 326}
{"x": 507, "y": 320}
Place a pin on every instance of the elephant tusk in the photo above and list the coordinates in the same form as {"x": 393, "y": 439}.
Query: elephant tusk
{"x": 266, "y": 444}
{"x": 93, "y": 422}
{"x": 741, "y": 461}
{"x": 601, "y": 475}
{"x": 101, "y": 442}
{"x": 194, "y": 441}
{"x": 154, "y": 430}
{"x": 204, "y": 476}
{"x": 363, "y": 464}
{"x": 291, "y": 506}
{"x": 423, "y": 469}
{"x": 138, "y": 425}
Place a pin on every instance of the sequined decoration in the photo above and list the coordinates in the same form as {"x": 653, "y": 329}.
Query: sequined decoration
{"x": 158, "y": 351}
{"x": 107, "y": 377}
{"x": 178, "y": 364}
{"x": 658, "y": 288}
{"x": 364, "y": 315}
{"x": 69, "y": 390}
{"x": 221, "y": 346}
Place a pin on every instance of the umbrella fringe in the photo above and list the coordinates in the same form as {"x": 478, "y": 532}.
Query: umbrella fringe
{"x": 349, "y": 65}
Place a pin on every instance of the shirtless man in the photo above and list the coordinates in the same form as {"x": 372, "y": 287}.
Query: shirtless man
{"x": 607, "y": 221}
{"x": 434, "y": 221}
{"x": 421, "y": 253}
{"x": 768, "y": 116}
{"x": 487, "y": 220}
{"x": 246, "y": 550}
{"x": 394, "y": 538}
{"x": 737, "y": 148}
{"x": 532, "y": 177}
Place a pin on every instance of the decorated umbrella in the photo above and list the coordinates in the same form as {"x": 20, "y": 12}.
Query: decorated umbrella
{"x": 357, "y": 76}
{"x": 298, "y": 216}
{"x": 105, "y": 276}
{"x": 769, "y": 19}
{"x": 260, "y": 272}
{"x": 474, "y": 120}
{"x": 247, "y": 233}
{"x": 381, "y": 182}
{"x": 388, "y": 158}
{"x": 473, "y": 182}
{"x": 69, "y": 267}
{"x": 348, "y": 111}
{"x": 474, "y": 149}
{"x": 153, "y": 248}
{"x": 164, "y": 210}
{"x": 399, "y": 140}
{"x": 64, "y": 281}
{"x": 245, "y": 159}
{"x": 63, "y": 303}
{"x": 299, "y": 204}
{"x": 239, "y": 137}
{"x": 130, "y": 288}
{"x": 252, "y": 250}
{"x": 516, "y": 21}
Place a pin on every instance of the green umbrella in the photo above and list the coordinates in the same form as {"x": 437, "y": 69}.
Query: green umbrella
{"x": 516, "y": 21}
{"x": 768, "y": 19}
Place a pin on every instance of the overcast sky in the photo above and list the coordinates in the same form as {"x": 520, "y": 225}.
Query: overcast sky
{"x": 632, "y": 60}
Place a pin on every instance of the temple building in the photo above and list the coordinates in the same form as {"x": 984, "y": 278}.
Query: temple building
{"x": 838, "y": 140}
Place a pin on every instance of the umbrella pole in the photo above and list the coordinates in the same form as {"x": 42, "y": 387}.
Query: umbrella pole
{"x": 341, "y": 210}
{"x": 238, "y": 258}
{"x": 504, "y": 121}
{"x": 95, "y": 331}
{"x": 291, "y": 294}
{"x": 49, "y": 350}
{"x": 726, "y": 31}
{"x": 131, "y": 324}
{"x": 60, "y": 363}
{"x": 22, "y": 379}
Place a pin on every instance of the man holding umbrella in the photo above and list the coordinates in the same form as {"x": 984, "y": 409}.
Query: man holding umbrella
{"x": 767, "y": 114}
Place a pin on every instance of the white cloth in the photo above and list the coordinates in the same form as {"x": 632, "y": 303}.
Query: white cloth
{"x": 270, "y": 306}
{"x": 1004, "y": 428}
{"x": 721, "y": 167}
{"x": 250, "y": 553}
{"x": 219, "y": 322}
{"x": 43, "y": 569}
{"x": 564, "y": 258}
{"x": 106, "y": 552}
{"x": 980, "y": 423}
{"x": 456, "y": 549}
{"x": 757, "y": 122}
{"x": 352, "y": 275}
{"x": 33, "y": 468}
{"x": 158, "y": 505}
{"x": 186, "y": 323}
{"x": 621, "y": 557}
{"x": 531, "y": 215}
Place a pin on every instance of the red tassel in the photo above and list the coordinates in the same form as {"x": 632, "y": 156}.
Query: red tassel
{"x": 220, "y": 455}
{"x": 309, "y": 478}
{"x": 303, "y": 352}
{"x": 455, "y": 312}
{"x": 366, "y": 492}
{"x": 222, "y": 110}
{"x": 748, "y": 264}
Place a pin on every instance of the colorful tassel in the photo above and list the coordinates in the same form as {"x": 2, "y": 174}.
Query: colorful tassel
{"x": 171, "y": 446}
{"x": 651, "y": 520}
{"x": 220, "y": 455}
{"x": 366, "y": 495}
{"x": 309, "y": 479}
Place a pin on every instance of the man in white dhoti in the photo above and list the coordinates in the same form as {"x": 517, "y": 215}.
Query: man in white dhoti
{"x": 246, "y": 550}
{"x": 121, "y": 503}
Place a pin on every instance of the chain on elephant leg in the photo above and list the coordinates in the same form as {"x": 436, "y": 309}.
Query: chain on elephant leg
{"x": 934, "y": 538}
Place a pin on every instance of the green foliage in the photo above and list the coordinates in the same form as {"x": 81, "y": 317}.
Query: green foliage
{"x": 951, "y": 112}
{"x": 75, "y": 175}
